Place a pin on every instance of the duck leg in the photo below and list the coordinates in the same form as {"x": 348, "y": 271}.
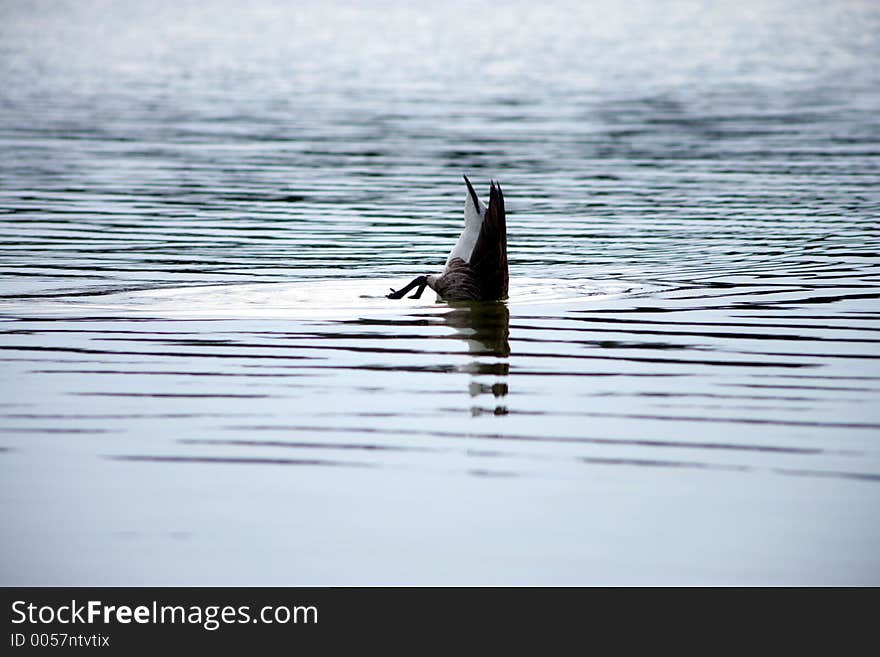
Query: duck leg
{"x": 421, "y": 282}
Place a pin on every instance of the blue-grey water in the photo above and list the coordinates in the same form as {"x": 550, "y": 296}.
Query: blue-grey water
{"x": 202, "y": 205}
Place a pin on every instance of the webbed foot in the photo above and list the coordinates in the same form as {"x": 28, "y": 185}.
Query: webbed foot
{"x": 419, "y": 282}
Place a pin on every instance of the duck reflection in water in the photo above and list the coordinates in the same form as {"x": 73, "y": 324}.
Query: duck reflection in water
{"x": 485, "y": 327}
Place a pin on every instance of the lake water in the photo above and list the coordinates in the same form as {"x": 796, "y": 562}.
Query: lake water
{"x": 202, "y": 205}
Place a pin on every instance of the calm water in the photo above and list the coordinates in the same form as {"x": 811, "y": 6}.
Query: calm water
{"x": 202, "y": 205}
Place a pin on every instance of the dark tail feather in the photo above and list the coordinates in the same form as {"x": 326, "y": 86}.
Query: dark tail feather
{"x": 472, "y": 192}
{"x": 489, "y": 258}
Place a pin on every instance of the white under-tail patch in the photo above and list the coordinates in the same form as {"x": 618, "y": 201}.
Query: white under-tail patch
{"x": 473, "y": 221}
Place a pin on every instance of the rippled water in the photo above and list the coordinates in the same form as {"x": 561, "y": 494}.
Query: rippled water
{"x": 203, "y": 204}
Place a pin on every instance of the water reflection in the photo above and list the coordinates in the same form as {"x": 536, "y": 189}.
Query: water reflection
{"x": 485, "y": 326}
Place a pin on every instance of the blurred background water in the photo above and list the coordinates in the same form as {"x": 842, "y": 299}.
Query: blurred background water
{"x": 202, "y": 204}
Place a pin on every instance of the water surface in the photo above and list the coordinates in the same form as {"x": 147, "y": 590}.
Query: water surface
{"x": 203, "y": 204}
